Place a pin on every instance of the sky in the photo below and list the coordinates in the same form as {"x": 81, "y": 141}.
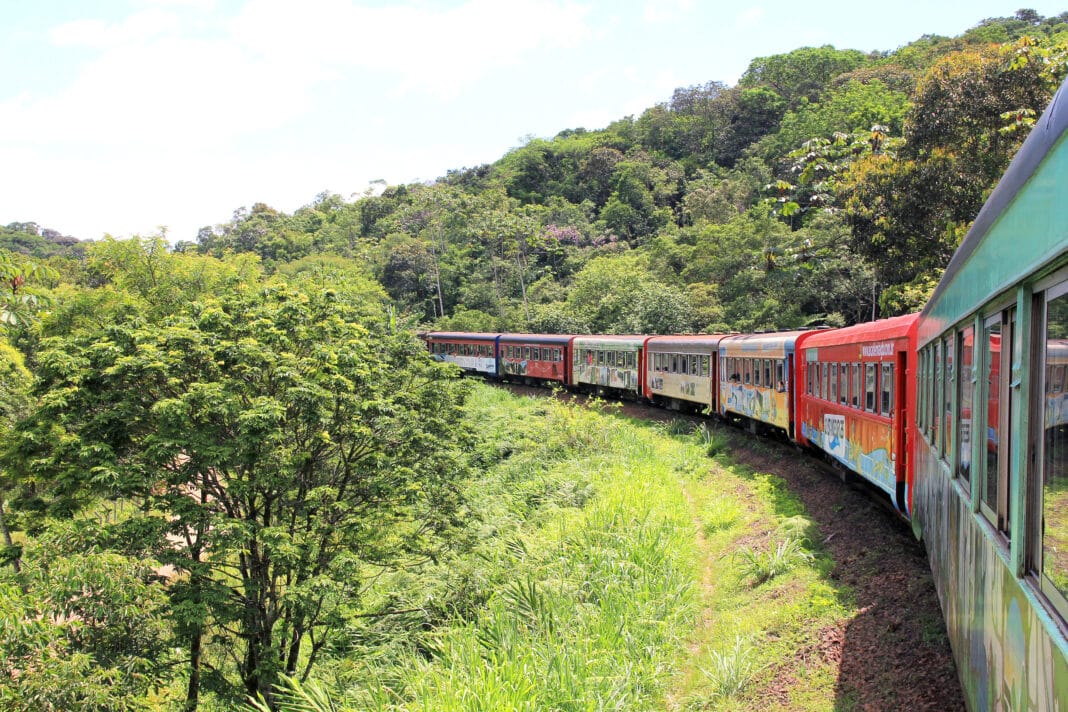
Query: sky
{"x": 147, "y": 117}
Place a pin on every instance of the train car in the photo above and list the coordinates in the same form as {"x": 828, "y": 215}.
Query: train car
{"x": 682, "y": 371}
{"x": 853, "y": 404}
{"x": 473, "y": 352}
{"x": 608, "y": 364}
{"x": 755, "y": 374}
{"x": 535, "y": 358}
{"x": 993, "y": 510}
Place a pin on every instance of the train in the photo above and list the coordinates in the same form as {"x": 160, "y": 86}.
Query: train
{"x": 958, "y": 414}
{"x": 840, "y": 392}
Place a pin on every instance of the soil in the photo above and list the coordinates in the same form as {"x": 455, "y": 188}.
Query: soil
{"x": 894, "y": 654}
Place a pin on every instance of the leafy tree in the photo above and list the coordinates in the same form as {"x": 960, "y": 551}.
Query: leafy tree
{"x": 909, "y": 213}
{"x": 803, "y": 73}
{"x": 82, "y": 631}
{"x": 281, "y": 453}
{"x": 851, "y": 108}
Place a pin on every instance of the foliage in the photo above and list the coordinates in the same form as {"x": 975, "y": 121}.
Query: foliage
{"x": 273, "y": 442}
{"x": 762, "y": 566}
{"x": 83, "y": 630}
{"x": 730, "y": 672}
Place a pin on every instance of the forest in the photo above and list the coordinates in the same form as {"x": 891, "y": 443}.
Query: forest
{"x": 230, "y": 475}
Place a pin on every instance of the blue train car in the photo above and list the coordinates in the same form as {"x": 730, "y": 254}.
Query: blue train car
{"x": 991, "y": 477}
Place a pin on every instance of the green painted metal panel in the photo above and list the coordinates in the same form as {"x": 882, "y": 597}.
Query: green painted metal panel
{"x": 1026, "y": 237}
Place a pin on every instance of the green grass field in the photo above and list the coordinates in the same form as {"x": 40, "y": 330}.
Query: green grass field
{"x": 616, "y": 564}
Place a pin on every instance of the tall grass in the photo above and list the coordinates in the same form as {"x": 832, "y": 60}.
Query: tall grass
{"x": 584, "y": 578}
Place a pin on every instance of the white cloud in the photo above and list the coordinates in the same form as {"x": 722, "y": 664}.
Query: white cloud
{"x": 437, "y": 51}
{"x": 97, "y": 34}
{"x": 749, "y": 18}
{"x": 149, "y": 130}
{"x": 663, "y": 11}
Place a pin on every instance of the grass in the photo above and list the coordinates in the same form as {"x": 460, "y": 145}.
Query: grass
{"x": 762, "y": 566}
{"x": 731, "y": 671}
{"x": 615, "y": 564}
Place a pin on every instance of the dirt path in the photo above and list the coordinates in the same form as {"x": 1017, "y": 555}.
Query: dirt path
{"x": 894, "y": 654}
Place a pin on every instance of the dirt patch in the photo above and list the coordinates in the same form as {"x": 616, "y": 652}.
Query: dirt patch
{"x": 894, "y": 654}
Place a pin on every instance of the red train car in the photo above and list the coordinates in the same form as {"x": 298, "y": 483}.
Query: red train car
{"x": 854, "y": 401}
{"x": 533, "y": 358}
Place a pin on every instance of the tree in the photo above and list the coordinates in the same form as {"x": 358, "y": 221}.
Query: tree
{"x": 803, "y": 73}
{"x": 280, "y": 452}
{"x": 82, "y": 630}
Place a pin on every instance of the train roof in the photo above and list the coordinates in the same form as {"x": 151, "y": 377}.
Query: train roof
{"x": 462, "y": 335}
{"x": 685, "y": 341}
{"x": 618, "y": 339}
{"x": 1026, "y": 250}
{"x": 759, "y": 343}
{"x": 895, "y": 327}
{"x": 532, "y": 338}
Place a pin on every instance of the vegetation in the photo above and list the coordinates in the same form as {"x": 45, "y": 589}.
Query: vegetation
{"x": 230, "y": 474}
{"x": 585, "y": 584}
{"x": 829, "y": 186}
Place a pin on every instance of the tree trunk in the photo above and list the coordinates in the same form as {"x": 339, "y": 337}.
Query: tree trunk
{"x": 7, "y": 537}
{"x": 193, "y": 691}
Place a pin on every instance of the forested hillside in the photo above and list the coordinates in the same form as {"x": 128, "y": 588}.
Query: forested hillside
{"x": 229, "y": 460}
{"x": 828, "y": 186}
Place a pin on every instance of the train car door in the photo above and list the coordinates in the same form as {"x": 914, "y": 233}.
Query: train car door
{"x": 900, "y": 425}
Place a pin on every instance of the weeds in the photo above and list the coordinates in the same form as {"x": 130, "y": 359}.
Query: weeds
{"x": 721, "y": 514}
{"x": 713, "y": 443}
{"x": 729, "y": 672}
{"x": 762, "y": 566}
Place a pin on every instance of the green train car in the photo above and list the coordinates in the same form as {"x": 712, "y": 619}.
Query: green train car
{"x": 991, "y": 470}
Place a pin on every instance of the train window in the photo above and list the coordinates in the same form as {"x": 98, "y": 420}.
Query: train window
{"x": 950, "y": 383}
{"x": 887, "y": 388}
{"x": 843, "y": 388}
{"x": 825, "y": 393}
{"x": 767, "y": 373}
{"x": 780, "y": 375}
{"x": 706, "y": 366}
{"x": 965, "y": 339}
{"x": 558, "y": 355}
{"x": 809, "y": 387}
{"x": 1053, "y": 562}
{"x": 756, "y": 372}
{"x": 857, "y": 386}
{"x": 834, "y": 383}
{"x": 936, "y": 409}
{"x": 994, "y": 484}
{"x": 747, "y": 370}
{"x": 869, "y": 386}
{"x": 684, "y": 364}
